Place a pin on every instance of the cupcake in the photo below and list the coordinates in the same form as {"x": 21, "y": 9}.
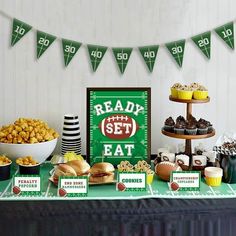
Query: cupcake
{"x": 191, "y": 129}
{"x": 180, "y": 119}
{"x": 194, "y": 86}
{"x": 209, "y": 127}
{"x": 213, "y": 176}
{"x": 200, "y": 93}
{"x": 174, "y": 90}
{"x": 169, "y": 124}
{"x": 179, "y": 128}
{"x": 192, "y": 119}
{"x": 185, "y": 93}
{"x": 201, "y": 128}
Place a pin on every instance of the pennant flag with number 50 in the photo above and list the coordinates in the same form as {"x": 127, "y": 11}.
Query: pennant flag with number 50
{"x": 44, "y": 40}
{"x": 176, "y": 49}
{"x": 96, "y": 54}
{"x": 203, "y": 42}
{"x": 19, "y": 30}
{"x": 70, "y": 48}
{"x": 122, "y": 56}
{"x": 226, "y": 32}
{"x": 149, "y": 54}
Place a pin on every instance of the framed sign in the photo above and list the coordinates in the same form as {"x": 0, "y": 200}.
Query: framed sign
{"x": 118, "y": 124}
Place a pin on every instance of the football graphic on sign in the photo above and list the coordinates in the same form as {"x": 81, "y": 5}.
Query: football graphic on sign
{"x": 118, "y": 126}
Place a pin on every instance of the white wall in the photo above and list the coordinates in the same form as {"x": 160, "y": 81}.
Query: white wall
{"x": 45, "y": 89}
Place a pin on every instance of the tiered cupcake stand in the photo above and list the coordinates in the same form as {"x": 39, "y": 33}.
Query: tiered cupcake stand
{"x": 188, "y": 138}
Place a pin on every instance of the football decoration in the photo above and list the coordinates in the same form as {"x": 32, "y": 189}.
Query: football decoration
{"x": 118, "y": 126}
{"x": 62, "y": 192}
{"x": 174, "y": 186}
{"x": 121, "y": 187}
{"x": 163, "y": 169}
{"x": 16, "y": 190}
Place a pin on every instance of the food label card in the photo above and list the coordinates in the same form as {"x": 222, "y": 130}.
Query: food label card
{"x": 26, "y": 185}
{"x": 135, "y": 181}
{"x": 185, "y": 180}
{"x": 73, "y": 186}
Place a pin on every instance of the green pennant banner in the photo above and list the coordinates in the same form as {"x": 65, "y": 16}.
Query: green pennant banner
{"x": 44, "y": 40}
{"x": 203, "y": 41}
{"x": 177, "y": 50}
{"x": 122, "y": 56}
{"x": 96, "y": 54}
{"x": 19, "y": 30}
{"x": 226, "y": 32}
{"x": 149, "y": 54}
{"x": 70, "y": 48}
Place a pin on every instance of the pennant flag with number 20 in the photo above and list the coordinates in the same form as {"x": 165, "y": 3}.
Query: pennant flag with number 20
{"x": 122, "y": 56}
{"x": 203, "y": 42}
{"x": 19, "y": 30}
{"x": 70, "y": 48}
{"x": 176, "y": 49}
{"x": 44, "y": 41}
{"x": 96, "y": 54}
{"x": 149, "y": 54}
{"x": 226, "y": 32}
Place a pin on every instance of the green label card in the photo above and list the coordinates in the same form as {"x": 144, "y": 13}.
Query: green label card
{"x": 73, "y": 186}
{"x": 131, "y": 181}
{"x": 44, "y": 40}
{"x": 176, "y": 49}
{"x": 96, "y": 54}
{"x": 26, "y": 185}
{"x": 185, "y": 180}
{"x": 149, "y": 54}
{"x": 226, "y": 32}
{"x": 70, "y": 48}
{"x": 19, "y": 30}
{"x": 203, "y": 42}
{"x": 122, "y": 56}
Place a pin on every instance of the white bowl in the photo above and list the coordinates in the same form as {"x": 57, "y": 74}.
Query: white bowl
{"x": 39, "y": 151}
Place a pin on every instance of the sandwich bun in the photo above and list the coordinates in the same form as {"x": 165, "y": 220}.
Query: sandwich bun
{"x": 102, "y": 179}
{"x": 63, "y": 170}
{"x": 102, "y": 167}
{"x": 81, "y": 167}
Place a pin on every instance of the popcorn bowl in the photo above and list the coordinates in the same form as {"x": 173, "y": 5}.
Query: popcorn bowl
{"x": 39, "y": 151}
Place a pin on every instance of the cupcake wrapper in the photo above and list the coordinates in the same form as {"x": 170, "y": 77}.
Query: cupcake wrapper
{"x": 179, "y": 131}
{"x": 169, "y": 128}
{"x": 213, "y": 181}
{"x": 202, "y": 131}
{"x": 210, "y": 129}
{"x": 191, "y": 131}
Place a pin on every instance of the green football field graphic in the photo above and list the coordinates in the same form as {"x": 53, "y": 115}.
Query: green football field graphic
{"x": 158, "y": 189}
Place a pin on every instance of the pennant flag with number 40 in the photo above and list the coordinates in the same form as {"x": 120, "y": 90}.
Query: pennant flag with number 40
{"x": 122, "y": 56}
{"x": 149, "y": 54}
{"x": 177, "y": 50}
{"x": 70, "y": 48}
{"x": 19, "y": 30}
{"x": 96, "y": 54}
{"x": 44, "y": 41}
{"x": 203, "y": 42}
{"x": 226, "y": 32}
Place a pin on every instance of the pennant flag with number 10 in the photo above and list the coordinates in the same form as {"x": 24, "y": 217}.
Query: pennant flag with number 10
{"x": 70, "y": 48}
{"x": 149, "y": 54}
{"x": 226, "y": 32}
{"x": 19, "y": 30}
{"x": 122, "y": 56}
{"x": 177, "y": 50}
{"x": 203, "y": 42}
{"x": 96, "y": 54}
{"x": 44, "y": 41}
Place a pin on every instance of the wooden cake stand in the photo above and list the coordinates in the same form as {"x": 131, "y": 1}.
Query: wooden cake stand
{"x": 188, "y": 138}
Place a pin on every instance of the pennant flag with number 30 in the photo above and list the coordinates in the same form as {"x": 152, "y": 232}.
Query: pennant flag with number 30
{"x": 176, "y": 49}
{"x": 44, "y": 41}
{"x": 149, "y": 54}
{"x": 96, "y": 54}
{"x": 19, "y": 30}
{"x": 226, "y": 32}
{"x": 122, "y": 56}
{"x": 70, "y": 48}
{"x": 203, "y": 42}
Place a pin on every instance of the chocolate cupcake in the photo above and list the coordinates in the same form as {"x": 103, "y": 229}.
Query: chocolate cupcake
{"x": 180, "y": 119}
{"x": 202, "y": 128}
{"x": 209, "y": 126}
{"x": 169, "y": 124}
{"x": 192, "y": 119}
{"x": 179, "y": 128}
{"x": 191, "y": 129}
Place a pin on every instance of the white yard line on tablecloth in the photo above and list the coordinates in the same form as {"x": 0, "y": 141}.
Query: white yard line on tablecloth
{"x": 47, "y": 191}
{"x": 212, "y": 190}
{"x": 150, "y": 188}
{"x": 231, "y": 189}
{"x": 10, "y": 183}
